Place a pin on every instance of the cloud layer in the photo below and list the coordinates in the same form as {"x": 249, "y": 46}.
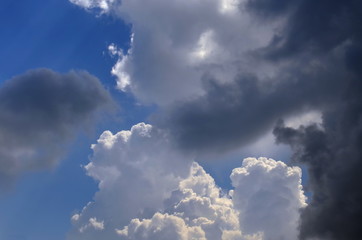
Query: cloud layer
{"x": 39, "y": 113}
{"x": 148, "y": 190}
{"x": 225, "y": 72}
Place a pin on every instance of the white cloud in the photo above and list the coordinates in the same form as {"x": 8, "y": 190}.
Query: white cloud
{"x": 267, "y": 199}
{"x": 196, "y": 209}
{"x": 161, "y": 226}
{"x": 147, "y": 190}
{"x": 136, "y": 171}
{"x": 175, "y": 43}
{"x": 98, "y": 225}
{"x": 93, "y": 223}
{"x": 268, "y": 195}
{"x": 104, "y": 5}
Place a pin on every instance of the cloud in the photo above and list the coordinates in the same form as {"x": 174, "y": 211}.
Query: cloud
{"x": 268, "y": 194}
{"x": 174, "y": 44}
{"x": 235, "y": 114}
{"x": 39, "y": 113}
{"x": 224, "y": 72}
{"x": 199, "y": 202}
{"x": 136, "y": 171}
{"x": 333, "y": 156}
{"x": 161, "y": 226}
{"x": 330, "y": 150}
{"x": 144, "y": 195}
{"x": 316, "y": 27}
{"x": 93, "y": 223}
{"x": 104, "y": 5}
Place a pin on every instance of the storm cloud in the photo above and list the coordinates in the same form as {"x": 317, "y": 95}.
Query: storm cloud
{"x": 332, "y": 153}
{"x": 318, "y": 60}
{"x": 233, "y": 114}
{"x": 238, "y": 68}
{"x": 40, "y": 111}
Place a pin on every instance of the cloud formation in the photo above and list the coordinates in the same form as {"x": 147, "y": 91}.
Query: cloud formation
{"x": 39, "y": 113}
{"x": 175, "y": 43}
{"x": 142, "y": 195}
{"x": 269, "y": 197}
{"x": 332, "y": 152}
{"x": 226, "y": 71}
{"x": 136, "y": 170}
{"x": 234, "y": 114}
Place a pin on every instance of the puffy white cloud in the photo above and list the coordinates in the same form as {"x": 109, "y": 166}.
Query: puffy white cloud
{"x": 147, "y": 190}
{"x": 267, "y": 200}
{"x": 175, "y": 44}
{"x": 201, "y": 203}
{"x": 161, "y": 226}
{"x": 195, "y": 210}
{"x": 269, "y": 196}
{"x": 136, "y": 171}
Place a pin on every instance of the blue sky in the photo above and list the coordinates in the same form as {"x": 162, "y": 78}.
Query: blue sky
{"x": 58, "y": 35}
{"x": 231, "y": 98}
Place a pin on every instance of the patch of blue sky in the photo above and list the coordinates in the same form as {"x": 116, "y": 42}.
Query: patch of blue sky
{"x": 61, "y": 36}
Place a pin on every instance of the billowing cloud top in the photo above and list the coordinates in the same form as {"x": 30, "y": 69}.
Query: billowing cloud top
{"x": 224, "y": 72}
{"x": 141, "y": 175}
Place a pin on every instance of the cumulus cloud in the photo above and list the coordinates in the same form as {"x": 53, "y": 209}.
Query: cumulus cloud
{"x": 39, "y": 113}
{"x": 136, "y": 171}
{"x": 213, "y": 64}
{"x": 161, "y": 226}
{"x": 226, "y": 71}
{"x": 175, "y": 43}
{"x": 148, "y": 190}
{"x": 269, "y": 196}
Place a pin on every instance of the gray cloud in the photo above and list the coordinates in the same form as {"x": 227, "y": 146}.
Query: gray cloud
{"x": 39, "y": 112}
{"x": 307, "y": 57}
{"x": 238, "y": 113}
{"x": 318, "y": 59}
{"x": 315, "y": 26}
{"x": 334, "y": 159}
{"x": 330, "y": 151}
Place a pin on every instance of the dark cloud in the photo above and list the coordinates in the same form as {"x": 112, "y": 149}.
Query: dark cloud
{"x": 39, "y": 112}
{"x": 315, "y": 26}
{"x": 333, "y": 156}
{"x": 318, "y": 57}
{"x": 237, "y": 113}
{"x": 269, "y": 8}
{"x": 332, "y": 151}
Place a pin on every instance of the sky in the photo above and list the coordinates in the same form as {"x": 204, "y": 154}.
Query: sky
{"x": 170, "y": 119}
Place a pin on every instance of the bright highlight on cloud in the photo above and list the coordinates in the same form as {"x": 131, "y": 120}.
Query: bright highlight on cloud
{"x": 174, "y": 44}
{"x": 225, "y": 73}
{"x": 40, "y": 111}
{"x": 136, "y": 171}
{"x": 147, "y": 190}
